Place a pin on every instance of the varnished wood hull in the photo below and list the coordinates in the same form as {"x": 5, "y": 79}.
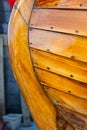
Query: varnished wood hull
{"x": 47, "y": 44}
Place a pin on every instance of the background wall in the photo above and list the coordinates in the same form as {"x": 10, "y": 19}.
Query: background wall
{"x": 5, "y": 11}
{"x": 12, "y": 93}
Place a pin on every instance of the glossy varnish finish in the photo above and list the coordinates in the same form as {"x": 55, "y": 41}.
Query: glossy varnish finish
{"x": 60, "y": 65}
{"x": 67, "y": 21}
{"x": 71, "y": 4}
{"x": 48, "y": 53}
{"x": 71, "y": 46}
{"x": 40, "y": 106}
{"x": 78, "y": 89}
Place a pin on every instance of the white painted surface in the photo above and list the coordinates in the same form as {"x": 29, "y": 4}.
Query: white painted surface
{"x": 25, "y": 112}
{"x": 2, "y": 91}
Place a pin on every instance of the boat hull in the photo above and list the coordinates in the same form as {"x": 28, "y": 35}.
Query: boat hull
{"x": 47, "y": 49}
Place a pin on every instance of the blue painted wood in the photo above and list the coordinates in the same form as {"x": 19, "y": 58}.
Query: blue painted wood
{"x": 12, "y": 92}
{"x": 5, "y": 11}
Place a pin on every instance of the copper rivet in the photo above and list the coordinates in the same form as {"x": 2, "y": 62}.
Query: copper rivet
{"x": 51, "y": 27}
{"x": 77, "y": 31}
{"x": 48, "y": 50}
{"x": 56, "y": 4}
{"x": 69, "y": 91}
{"x": 15, "y": 6}
{"x": 71, "y": 75}
{"x": 30, "y": 29}
{"x": 48, "y": 68}
{"x": 81, "y": 5}
{"x": 73, "y": 57}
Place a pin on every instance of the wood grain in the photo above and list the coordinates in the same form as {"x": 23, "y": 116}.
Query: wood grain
{"x": 56, "y": 89}
{"x": 69, "y": 127}
{"x": 78, "y": 121}
{"x": 22, "y": 8}
{"x": 70, "y": 4}
{"x": 74, "y": 47}
{"x": 67, "y": 21}
{"x": 40, "y": 106}
{"x": 63, "y": 84}
{"x": 69, "y": 101}
{"x": 60, "y": 65}
{"x": 40, "y": 48}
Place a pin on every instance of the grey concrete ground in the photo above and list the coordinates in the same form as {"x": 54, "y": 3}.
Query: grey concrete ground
{"x": 32, "y": 127}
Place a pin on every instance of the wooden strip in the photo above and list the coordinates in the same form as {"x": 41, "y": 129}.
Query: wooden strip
{"x": 44, "y": 117}
{"x": 69, "y": 128}
{"x": 72, "y": 4}
{"x": 62, "y": 44}
{"x": 23, "y": 10}
{"x": 71, "y": 102}
{"x": 63, "y": 84}
{"x": 77, "y": 120}
{"x": 67, "y": 21}
{"x": 60, "y": 65}
{"x": 2, "y": 91}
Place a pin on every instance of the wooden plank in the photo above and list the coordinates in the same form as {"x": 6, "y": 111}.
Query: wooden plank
{"x": 71, "y": 102}
{"x": 2, "y": 91}
{"x": 67, "y": 21}
{"x": 44, "y": 117}
{"x": 25, "y": 112}
{"x": 76, "y": 105}
{"x": 62, "y": 44}
{"x": 63, "y": 84}
{"x": 71, "y": 4}
{"x": 60, "y": 65}
{"x": 69, "y": 127}
{"x": 23, "y": 10}
{"x": 78, "y": 121}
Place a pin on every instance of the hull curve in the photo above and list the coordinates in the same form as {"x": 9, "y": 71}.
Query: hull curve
{"x": 47, "y": 50}
{"x": 45, "y": 117}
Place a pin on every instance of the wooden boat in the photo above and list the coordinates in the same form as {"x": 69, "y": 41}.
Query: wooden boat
{"x": 47, "y": 42}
